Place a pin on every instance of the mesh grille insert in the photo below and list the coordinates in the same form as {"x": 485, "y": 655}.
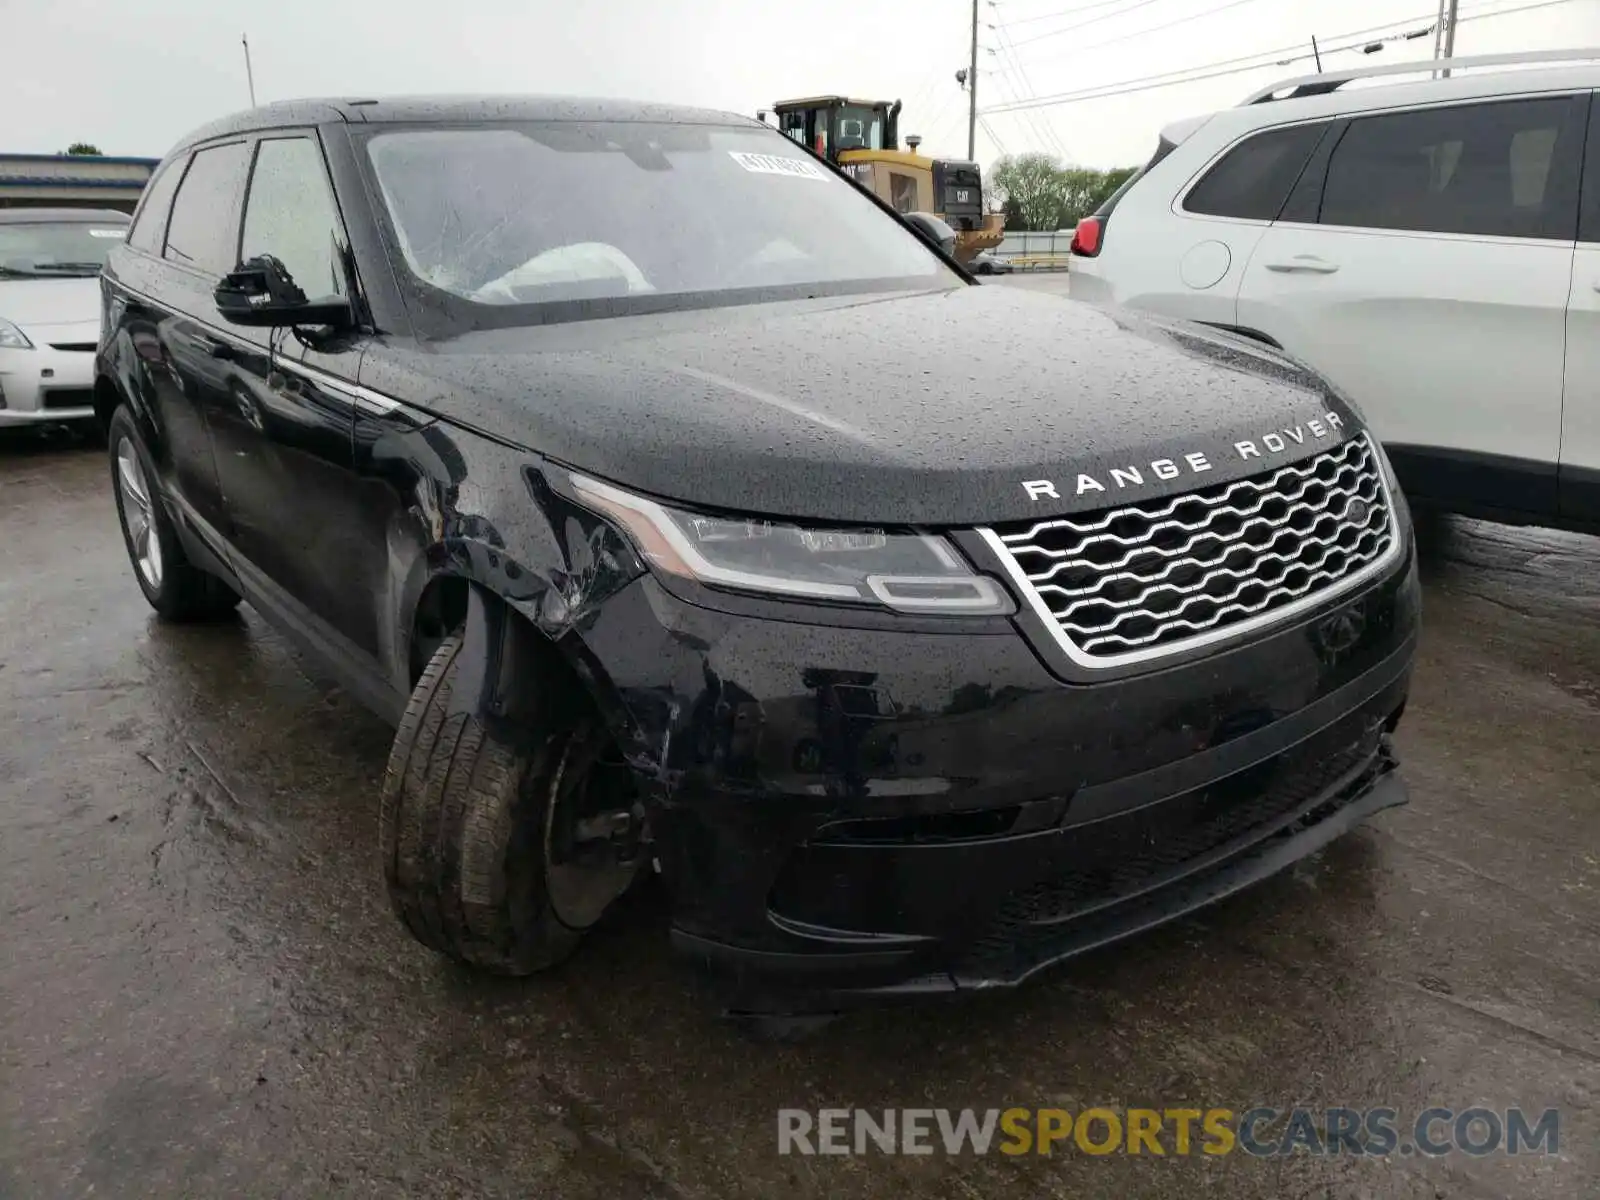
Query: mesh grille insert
{"x": 1156, "y": 577}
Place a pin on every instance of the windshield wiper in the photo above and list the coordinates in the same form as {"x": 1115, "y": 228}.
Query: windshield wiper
{"x": 13, "y": 273}
{"x": 77, "y": 268}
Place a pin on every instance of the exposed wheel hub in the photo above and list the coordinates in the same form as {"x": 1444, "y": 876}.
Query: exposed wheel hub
{"x": 592, "y": 829}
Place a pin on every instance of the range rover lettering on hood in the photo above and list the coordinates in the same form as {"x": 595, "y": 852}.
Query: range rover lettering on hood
{"x": 1277, "y": 441}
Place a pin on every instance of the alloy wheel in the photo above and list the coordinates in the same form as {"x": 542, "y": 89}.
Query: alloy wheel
{"x": 138, "y": 514}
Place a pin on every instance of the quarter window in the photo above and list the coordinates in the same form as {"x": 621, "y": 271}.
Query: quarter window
{"x": 1253, "y": 179}
{"x": 1506, "y": 169}
{"x": 290, "y": 215}
{"x": 204, "y": 215}
{"x": 151, "y": 223}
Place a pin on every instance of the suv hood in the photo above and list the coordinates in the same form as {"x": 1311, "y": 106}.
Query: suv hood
{"x": 929, "y": 408}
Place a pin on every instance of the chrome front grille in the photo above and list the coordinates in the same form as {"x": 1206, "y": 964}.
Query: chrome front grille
{"x": 1130, "y": 584}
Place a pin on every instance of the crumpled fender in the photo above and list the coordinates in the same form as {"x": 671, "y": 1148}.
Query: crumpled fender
{"x": 538, "y": 567}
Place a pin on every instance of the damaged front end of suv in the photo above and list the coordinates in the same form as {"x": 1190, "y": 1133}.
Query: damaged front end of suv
{"x": 689, "y": 515}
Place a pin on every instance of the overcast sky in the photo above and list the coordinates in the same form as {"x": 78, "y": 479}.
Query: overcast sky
{"x": 132, "y": 78}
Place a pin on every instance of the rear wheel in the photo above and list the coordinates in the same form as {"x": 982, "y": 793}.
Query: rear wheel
{"x": 501, "y": 856}
{"x": 176, "y": 588}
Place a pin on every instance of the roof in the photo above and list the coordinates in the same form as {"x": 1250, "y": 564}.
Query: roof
{"x": 823, "y": 101}
{"x": 87, "y": 216}
{"x": 69, "y": 181}
{"x": 1331, "y": 81}
{"x": 456, "y": 109}
{"x": 1418, "y": 92}
{"x": 79, "y": 158}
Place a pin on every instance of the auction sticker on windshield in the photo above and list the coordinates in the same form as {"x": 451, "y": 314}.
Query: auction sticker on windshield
{"x": 108, "y": 233}
{"x": 777, "y": 164}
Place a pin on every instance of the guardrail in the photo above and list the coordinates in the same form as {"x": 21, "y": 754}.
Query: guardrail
{"x": 1030, "y": 251}
{"x": 1036, "y": 262}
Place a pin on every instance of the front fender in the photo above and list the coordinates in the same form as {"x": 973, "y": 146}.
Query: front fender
{"x": 467, "y": 513}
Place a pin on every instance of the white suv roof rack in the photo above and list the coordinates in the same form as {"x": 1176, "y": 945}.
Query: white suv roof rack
{"x": 1332, "y": 81}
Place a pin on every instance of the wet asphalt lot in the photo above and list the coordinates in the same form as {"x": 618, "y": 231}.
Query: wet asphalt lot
{"x": 203, "y": 992}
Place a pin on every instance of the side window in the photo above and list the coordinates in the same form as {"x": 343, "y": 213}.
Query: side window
{"x": 150, "y": 223}
{"x": 201, "y": 232}
{"x": 1505, "y": 169}
{"x": 290, "y": 214}
{"x": 793, "y": 125}
{"x": 1589, "y": 218}
{"x": 1253, "y": 179}
{"x": 902, "y": 192}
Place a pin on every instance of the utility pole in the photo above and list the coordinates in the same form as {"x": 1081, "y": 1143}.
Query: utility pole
{"x": 249, "y": 75}
{"x": 1450, "y": 33}
{"x": 972, "y": 91}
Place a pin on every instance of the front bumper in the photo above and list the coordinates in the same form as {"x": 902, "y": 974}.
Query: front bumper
{"x": 44, "y": 384}
{"x": 844, "y": 813}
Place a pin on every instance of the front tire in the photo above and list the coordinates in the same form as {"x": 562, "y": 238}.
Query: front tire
{"x": 176, "y": 588}
{"x": 474, "y": 835}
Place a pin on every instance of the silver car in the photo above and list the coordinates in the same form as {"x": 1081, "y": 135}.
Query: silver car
{"x": 50, "y": 260}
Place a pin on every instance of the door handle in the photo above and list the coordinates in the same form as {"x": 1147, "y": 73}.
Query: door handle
{"x": 1304, "y": 264}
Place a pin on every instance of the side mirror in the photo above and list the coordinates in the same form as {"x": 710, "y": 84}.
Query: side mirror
{"x": 934, "y": 230}
{"x": 262, "y": 292}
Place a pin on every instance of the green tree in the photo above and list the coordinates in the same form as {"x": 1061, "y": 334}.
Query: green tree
{"x": 83, "y": 150}
{"x": 1032, "y": 184}
{"x": 1111, "y": 181}
{"x": 1081, "y": 188}
{"x": 1013, "y": 214}
{"x": 1039, "y": 193}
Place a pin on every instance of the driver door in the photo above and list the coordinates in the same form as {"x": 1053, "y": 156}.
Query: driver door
{"x": 283, "y": 433}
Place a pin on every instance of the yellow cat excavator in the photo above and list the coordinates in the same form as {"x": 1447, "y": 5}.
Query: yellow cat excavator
{"x": 863, "y": 138}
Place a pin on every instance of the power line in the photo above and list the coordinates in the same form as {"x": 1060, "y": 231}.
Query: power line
{"x": 1123, "y": 37}
{"x": 1037, "y": 125}
{"x": 1003, "y": 36}
{"x": 1066, "y": 12}
{"x": 1256, "y": 61}
{"x": 1022, "y": 87}
{"x": 943, "y": 115}
{"x": 1188, "y": 75}
{"x": 925, "y": 93}
{"x": 993, "y": 136}
{"x": 1134, "y": 7}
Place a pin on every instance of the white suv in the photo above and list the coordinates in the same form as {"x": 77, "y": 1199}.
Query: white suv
{"x": 1430, "y": 246}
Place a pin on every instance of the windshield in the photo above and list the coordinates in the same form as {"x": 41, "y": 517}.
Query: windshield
{"x": 51, "y": 249}
{"x": 860, "y": 128}
{"x": 636, "y": 216}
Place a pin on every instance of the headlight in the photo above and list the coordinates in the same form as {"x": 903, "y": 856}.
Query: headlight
{"x": 908, "y": 572}
{"x": 12, "y": 338}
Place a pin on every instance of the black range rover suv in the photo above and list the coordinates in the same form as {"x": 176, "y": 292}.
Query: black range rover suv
{"x": 686, "y": 511}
